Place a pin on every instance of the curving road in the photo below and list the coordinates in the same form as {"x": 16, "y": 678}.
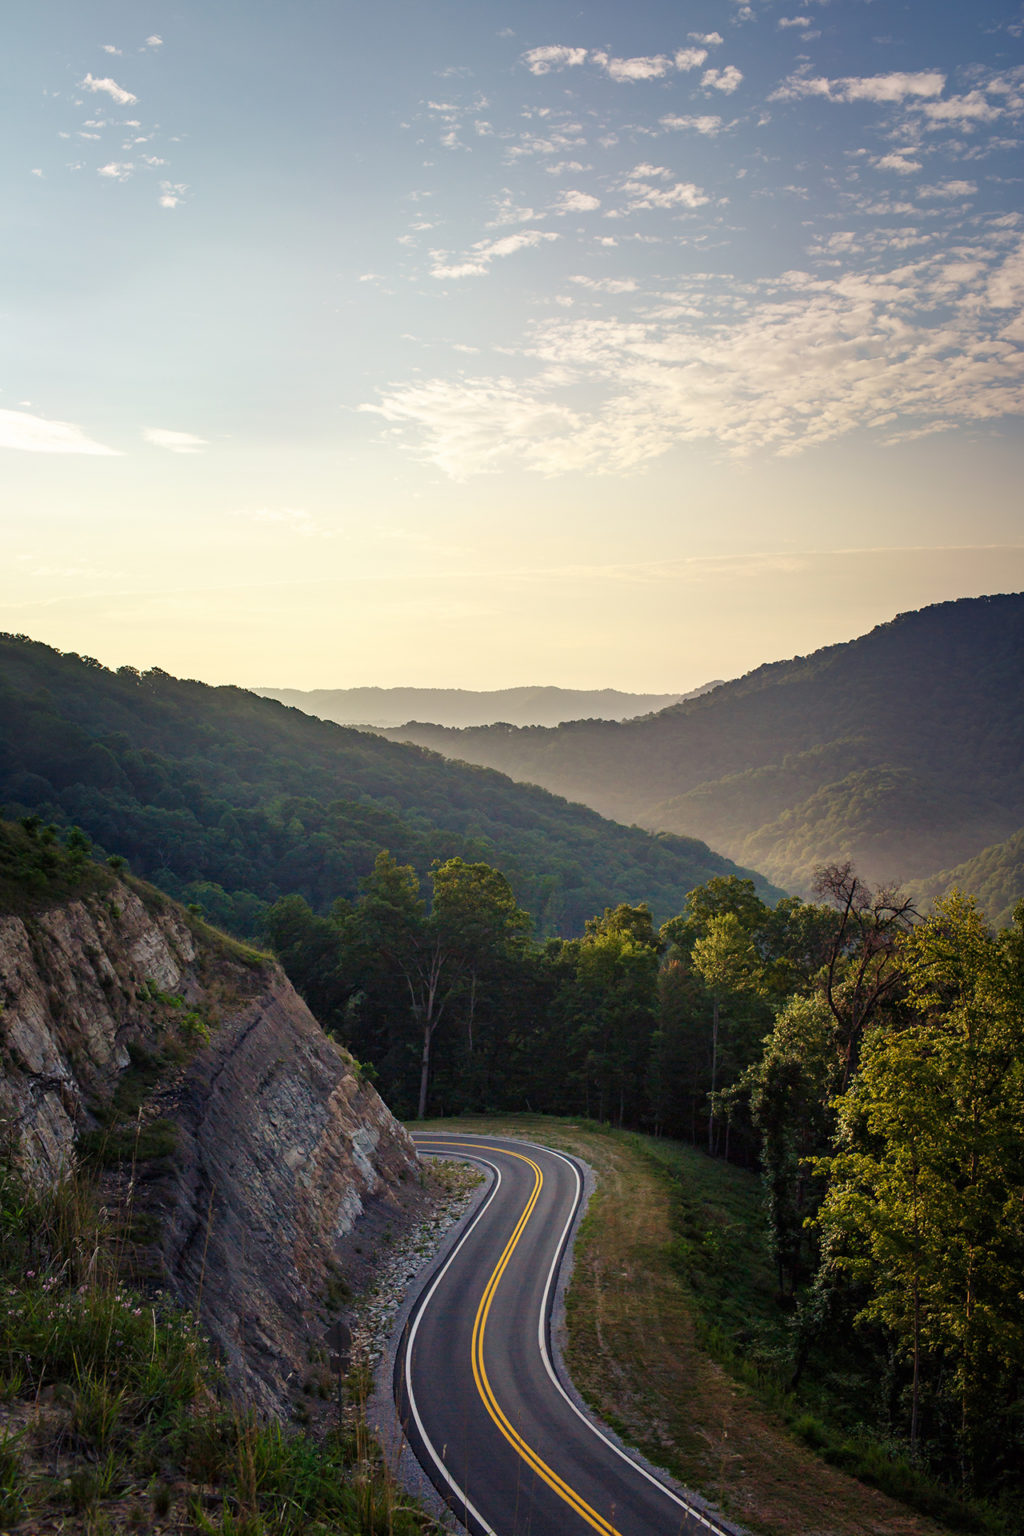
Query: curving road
{"x": 477, "y": 1391}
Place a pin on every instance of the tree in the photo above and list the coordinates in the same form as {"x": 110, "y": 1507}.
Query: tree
{"x": 726, "y": 961}
{"x": 616, "y": 987}
{"x": 790, "y": 1090}
{"x": 473, "y": 919}
{"x": 925, "y": 1204}
{"x": 864, "y": 964}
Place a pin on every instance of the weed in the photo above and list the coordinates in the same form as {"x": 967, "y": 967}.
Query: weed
{"x": 12, "y": 1482}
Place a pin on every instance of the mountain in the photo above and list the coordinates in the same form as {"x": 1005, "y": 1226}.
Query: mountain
{"x": 229, "y": 800}
{"x": 383, "y": 707}
{"x": 903, "y": 750}
{"x": 995, "y": 876}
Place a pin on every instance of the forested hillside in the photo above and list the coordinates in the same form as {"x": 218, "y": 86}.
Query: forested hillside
{"x": 466, "y": 706}
{"x": 231, "y": 800}
{"x": 903, "y": 750}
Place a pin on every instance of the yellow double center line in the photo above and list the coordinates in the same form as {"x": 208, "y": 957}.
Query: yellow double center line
{"x": 483, "y": 1385}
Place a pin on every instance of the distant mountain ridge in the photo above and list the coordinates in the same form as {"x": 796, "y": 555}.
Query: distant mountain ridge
{"x": 230, "y": 800}
{"x": 903, "y": 749}
{"x": 459, "y": 707}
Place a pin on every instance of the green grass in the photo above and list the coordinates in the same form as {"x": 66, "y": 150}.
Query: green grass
{"x": 719, "y": 1249}
{"x": 135, "y": 1400}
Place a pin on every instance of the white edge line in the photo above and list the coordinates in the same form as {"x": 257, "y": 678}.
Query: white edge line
{"x": 683, "y": 1504}
{"x": 460, "y": 1493}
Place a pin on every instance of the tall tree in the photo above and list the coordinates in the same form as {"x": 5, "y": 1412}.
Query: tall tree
{"x": 865, "y": 963}
{"x": 925, "y": 1204}
{"x": 473, "y": 919}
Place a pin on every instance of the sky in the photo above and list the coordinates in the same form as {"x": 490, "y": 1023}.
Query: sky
{"x": 463, "y": 343}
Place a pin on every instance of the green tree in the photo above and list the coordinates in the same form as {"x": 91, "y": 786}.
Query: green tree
{"x": 616, "y": 976}
{"x": 440, "y": 954}
{"x": 925, "y": 1203}
{"x": 726, "y": 961}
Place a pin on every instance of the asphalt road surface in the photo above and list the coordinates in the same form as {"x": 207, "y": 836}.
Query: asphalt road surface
{"x": 476, "y": 1387}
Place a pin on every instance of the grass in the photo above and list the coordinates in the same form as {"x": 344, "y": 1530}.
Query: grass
{"x": 113, "y": 1416}
{"x": 675, "y": 1339}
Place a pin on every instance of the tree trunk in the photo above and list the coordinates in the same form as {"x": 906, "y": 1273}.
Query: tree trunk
{"x": 714, "y": 1075}
{"x": 421, "y": 1112}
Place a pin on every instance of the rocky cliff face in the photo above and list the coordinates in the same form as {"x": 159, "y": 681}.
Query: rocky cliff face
{"x": 277, "y": 1168}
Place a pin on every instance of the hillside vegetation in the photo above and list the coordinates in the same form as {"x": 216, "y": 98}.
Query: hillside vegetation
{"x": 231, "y": 800}
{"x": 903, "y": 750}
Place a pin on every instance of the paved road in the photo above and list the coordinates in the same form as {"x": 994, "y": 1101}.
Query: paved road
{"x": 477, "y": 1391}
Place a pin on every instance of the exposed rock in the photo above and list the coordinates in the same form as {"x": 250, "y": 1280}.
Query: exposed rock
{"x": 286, "y": 1161}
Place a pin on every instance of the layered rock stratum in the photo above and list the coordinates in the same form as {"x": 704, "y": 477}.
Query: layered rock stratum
{"x": 266, "y": 1171}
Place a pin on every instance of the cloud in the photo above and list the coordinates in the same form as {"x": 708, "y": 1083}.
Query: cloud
{"x": 471, "y": 427}
{"x": 541, "y": 61}
{"x": 606, "y": 284}
{"x": 726, "y": 79}
{"x": 684, "y": 194}
{"x": 949, "y": 189}
{"x": 111, "y": 88}
{"x": 970, "y": 109}
{"x": 172, "y": 193}
{"x": 154, "y": 41}
{"x": 35, "y": 434}
{"x": 794, "y": 21}
{"x": 652, "y": 67}
{"x": 109, "y": 48}
{"x": 174, "y": 442}
{"x": 577, "y": 202}
{"x": 779, "y": 366}
{"x": 691, "y": 58}
{"x": 711, "y": 39}
{"x": 505, "y": 212}
{"x": 116, "y": 170}
{"x": 897, "y": 161}
{"x": 485, "y": 251}
{"x": 896, "y": 87}
{"x": 706, "y": 124}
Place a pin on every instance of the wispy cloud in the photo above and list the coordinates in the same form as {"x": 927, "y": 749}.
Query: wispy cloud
{"x": 896, "y": 87}
{"x": 898, "y": 160}
{"x": 110, "y": 88}
{"x": 926, "y": 346}
{"x": 950, "y": 189}
{"x": 577, "y": 202}
{"x": 552, "y": 56}
{"x": 35, "y": 434}
{"x": 683, "y": 194}
{"x": 605, "y": 284}
{"x": 480, "y": 256}
{"x": 706, "y": 123}
{"x": 174, "y": 442}
{"x": 172, "y": 193}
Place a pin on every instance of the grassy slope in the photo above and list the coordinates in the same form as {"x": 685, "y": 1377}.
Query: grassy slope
{"x": 113, "y": 1417}
{"x": 655, "y": 1275}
